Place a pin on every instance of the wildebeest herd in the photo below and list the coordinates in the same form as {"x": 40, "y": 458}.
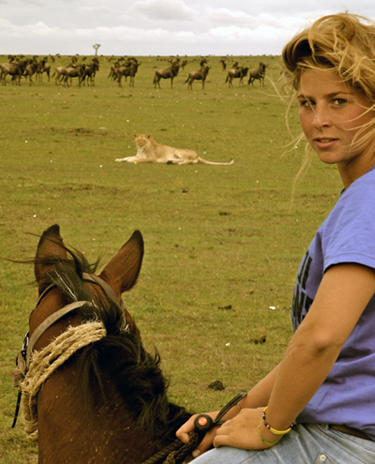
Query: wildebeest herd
{"x": 20, "y": 67}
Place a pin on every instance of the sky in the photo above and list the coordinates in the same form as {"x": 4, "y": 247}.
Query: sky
{"x": 161, "y": 27}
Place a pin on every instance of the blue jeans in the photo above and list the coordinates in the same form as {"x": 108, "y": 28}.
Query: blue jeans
{"x": 306, "y": 444}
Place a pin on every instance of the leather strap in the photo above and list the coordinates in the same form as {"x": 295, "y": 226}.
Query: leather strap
{"x": 47, "y": 323}
{"x": 108, "y": 290}
{"x": 350, "y": 431}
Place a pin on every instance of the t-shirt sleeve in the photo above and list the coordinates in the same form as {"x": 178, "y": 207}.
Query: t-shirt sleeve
{"x": 350, "y": 230}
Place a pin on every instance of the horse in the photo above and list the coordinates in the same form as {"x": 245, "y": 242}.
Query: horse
{"x": 90, "y": 390}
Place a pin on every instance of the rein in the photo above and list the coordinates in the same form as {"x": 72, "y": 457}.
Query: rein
{"x": 177, "y": 451}
{"x": 34, "y": 368}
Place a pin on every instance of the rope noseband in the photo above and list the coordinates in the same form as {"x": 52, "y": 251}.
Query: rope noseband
{"x": 25, "y": 356}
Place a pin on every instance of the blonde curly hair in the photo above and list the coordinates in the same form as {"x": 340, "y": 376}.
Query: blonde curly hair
{"x": 343, "y": 43}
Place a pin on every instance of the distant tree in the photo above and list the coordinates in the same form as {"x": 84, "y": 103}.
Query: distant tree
{"x": 96, "y": 46}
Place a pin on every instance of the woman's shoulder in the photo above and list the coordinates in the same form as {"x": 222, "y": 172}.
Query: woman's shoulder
{"x": 365, "y": 181}
{"x": 361, "y": 191}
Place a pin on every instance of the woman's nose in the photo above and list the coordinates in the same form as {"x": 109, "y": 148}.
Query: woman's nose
{"x": 321, "y": 118}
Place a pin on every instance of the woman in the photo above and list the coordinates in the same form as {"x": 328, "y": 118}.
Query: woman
{"x": 325, "y": 383}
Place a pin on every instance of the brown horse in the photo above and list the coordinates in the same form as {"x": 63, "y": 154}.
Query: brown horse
{"x": 91, "y": 392}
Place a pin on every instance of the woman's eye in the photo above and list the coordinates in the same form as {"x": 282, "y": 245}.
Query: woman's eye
{"x": 339, "y": 101}
{"x": 306, "y": 103}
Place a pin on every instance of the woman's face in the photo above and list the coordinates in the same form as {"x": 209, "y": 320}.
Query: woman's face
{"x": 331, "y": 115}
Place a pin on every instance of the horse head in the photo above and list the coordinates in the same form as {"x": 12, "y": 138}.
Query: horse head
{"x": 65, "y": 277}
{"x": 90, "y": 391}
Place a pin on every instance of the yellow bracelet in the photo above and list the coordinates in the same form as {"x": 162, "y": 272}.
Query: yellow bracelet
{"x": 270, "y": 443}
{"x": 271, "y": 429}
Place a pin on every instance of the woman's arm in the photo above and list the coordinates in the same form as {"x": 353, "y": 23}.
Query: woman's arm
{"x": 342, "y": 296}
{"x": 257, "y": 397}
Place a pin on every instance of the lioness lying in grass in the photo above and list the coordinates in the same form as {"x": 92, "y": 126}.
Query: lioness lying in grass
{"x": 150, "y": 151}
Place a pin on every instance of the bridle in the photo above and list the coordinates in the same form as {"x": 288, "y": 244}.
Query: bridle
{"x": 176, "y": 452}
{"x": 24, "y": 357}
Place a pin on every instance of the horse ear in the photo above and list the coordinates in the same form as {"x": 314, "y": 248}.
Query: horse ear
{"x": 122, "y": 271}
{"x": 50, "y": 245}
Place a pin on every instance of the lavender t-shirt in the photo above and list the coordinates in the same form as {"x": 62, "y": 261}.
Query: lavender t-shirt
{"x": 347, "y": 396}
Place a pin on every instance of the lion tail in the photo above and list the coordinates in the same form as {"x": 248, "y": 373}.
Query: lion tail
{"x": 202, "y": 160}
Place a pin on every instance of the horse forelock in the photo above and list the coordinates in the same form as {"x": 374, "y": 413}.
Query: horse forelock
{"x": 67, "y": 274}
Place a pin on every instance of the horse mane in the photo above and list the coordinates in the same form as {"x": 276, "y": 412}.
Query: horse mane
{"x": 117, "y": 367}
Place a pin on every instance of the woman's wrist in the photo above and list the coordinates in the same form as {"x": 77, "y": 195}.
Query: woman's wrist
{"x": 268, "y": 434}
{"x": 279, "y": 432}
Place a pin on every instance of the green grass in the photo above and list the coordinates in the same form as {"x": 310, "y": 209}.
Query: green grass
{"x": 222, "y": 243}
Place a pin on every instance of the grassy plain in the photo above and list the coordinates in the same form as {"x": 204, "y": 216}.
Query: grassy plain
{"x": 222, "y": 243}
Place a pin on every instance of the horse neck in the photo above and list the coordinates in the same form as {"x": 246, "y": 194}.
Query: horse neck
{"x": 72, "y": 432}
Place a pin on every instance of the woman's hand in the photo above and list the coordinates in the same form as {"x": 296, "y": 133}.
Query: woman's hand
{"x": 242, "y": 431}
{"x": 183, "y": 434}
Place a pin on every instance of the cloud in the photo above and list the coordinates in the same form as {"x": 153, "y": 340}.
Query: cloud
{"x": 235, "y": 33}
{"x": 34, "y": 2}
{"x": 158, "y": 26}
{"x": 169, "y": 10}
{"x": 228, "y": 18}
{"x": 96, "y": 10}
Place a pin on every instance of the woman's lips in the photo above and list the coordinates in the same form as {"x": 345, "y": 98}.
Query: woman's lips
{"x": 324, "y": 142}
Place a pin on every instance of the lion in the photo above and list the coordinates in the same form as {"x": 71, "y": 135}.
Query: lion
{"x": 149, "y": 151}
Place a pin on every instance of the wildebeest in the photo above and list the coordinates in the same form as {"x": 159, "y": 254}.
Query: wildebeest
{"x": 174, "y": 61}
{"x": 113, "y": 72}
{"x": 89, "y": 72}
{"x": 169, "y": 73}
{"x": 65, "y": 73}
{"x": 42, "y": 67}
{"x": 14, "y": 69}
{"x": 30, "y": 70}
{"x": 236, "y": 73}
{"x": 183, "y": 64}
{"x": 258, "y": 73}
{"x": 197, "y": 75}
{"x": 128, "y": 70}
{"x": 223, "y": 64}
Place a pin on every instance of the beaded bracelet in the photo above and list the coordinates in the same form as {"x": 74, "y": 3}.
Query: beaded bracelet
{"x": 271, "y": 429}
{"x": 270, "y": 443}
